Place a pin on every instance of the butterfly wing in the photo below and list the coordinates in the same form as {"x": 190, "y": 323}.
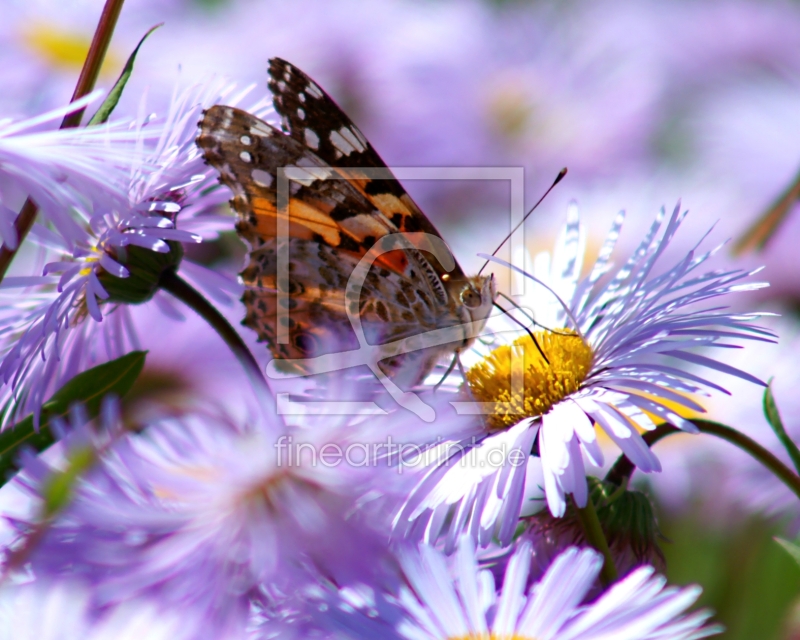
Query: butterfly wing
{"x": 311, "y": 117}
{"x": 329, "y": 226}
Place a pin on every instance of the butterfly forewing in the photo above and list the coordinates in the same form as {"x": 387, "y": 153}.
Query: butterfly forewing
{"x": 311, "y": 117}
{"x": 340, "y": 200}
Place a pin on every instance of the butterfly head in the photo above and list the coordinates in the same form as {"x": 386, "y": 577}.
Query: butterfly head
{"x": 476, "y": 296}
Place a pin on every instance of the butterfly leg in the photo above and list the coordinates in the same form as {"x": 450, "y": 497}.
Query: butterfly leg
{"x": 457, "y": 360}
{"x": 447, "y": 373}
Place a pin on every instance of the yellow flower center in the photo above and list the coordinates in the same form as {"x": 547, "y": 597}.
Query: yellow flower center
{"x": 90, "y": 260}
{"x": 521, "y": 384}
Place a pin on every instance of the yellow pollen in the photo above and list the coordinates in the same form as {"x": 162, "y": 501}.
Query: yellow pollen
{"x": 538, "y": 386}
{"x": 90, "y": 260}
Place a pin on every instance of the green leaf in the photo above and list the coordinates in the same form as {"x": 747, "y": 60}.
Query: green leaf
{"x": 87, "y": 388}
{"x": 115, "y": 94}
{"x": 57, "y": 491}
{"x": 774, "y": 419}
{"x": 791, "y": 548}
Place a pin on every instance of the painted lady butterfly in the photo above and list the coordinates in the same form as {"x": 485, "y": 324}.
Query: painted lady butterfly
{"x": 341, "y": 202}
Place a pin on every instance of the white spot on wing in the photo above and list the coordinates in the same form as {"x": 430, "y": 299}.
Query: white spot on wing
{"x": 341, "y": 144}
{"x": 307, "y": 175}
{"x": 301, "y": 114}
{"x": 312, "y": 139}
{"x": 288, "y": 75}
{"x": 261, "y": 177}
{"x": 301, "y": 97}
{"x": 281, "y": 86}
{"x": 314, "y": 91}
{"x": 246, "y": 157}
{"x": 246, "y": 139}
{"x": 228, "y": 119}
{"x": 348, "y": 134}
{"x": 261, "y": 129}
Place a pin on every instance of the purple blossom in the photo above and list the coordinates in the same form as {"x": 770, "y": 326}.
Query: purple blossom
{"x": 167, "y": 184}
{"x": 65, "y": 169}
{"x": 205, "y": 515}
{"x": 627, "y": 324}
{"x": 62, "y": 611}
{"x": 440, "y": 600}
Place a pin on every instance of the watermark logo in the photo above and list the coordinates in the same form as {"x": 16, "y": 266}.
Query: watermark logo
{"x": 370, "y": 355}
{"x": 473, "y": 454}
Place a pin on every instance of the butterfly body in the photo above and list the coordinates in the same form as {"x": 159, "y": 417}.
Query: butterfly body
{"x": 314, "y": 202}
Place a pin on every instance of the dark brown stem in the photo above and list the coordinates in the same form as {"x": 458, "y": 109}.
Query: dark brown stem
{"x": 183, "y": 291}
{"x": 86, "y": 81}
{"x": 623, "y": 467}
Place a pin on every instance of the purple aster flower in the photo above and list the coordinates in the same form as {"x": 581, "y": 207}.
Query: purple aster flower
{"x": 629, "y": 526}
{"x": 56, "y": 331}
{"x": 65, "y": 169}
{"x": 210, "y": 516}
{"x": 441, "y": 602}
{"x": 606, "y": 366}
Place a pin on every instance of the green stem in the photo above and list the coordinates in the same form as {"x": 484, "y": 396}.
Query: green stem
{"x": 764, "y": 228}
{"x": 593, "y": 532}
{"x": 86, "y": 81}
{"x": 183, "y": 291}
{"x": 623, "y": 467}
{"x": 774, "y": 419}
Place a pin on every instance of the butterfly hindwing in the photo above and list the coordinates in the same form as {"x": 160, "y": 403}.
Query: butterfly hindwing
{"x": 314, "y": 317}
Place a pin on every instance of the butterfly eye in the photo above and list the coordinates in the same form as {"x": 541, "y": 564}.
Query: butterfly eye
{"x": 305, "y": 342}
{"x": 470, "y": 298}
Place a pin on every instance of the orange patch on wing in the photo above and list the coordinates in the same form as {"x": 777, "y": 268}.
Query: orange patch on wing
{"x": 364, "y": 225}
{"x": 396, "y": 261}
{"x": 317, "y": 221}
{"x": 390, "y": 204}
{"x": 305, "y": 220}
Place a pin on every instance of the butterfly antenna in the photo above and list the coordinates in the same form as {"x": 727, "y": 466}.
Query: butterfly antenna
{"x": 558, "y": 179}
{"x": 533, "y": 320}
{"x": 530, "y": 333}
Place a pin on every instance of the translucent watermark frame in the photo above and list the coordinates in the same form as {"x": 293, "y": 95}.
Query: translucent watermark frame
{"x": 367, "y": 354}
{"x": 474, "y": 453}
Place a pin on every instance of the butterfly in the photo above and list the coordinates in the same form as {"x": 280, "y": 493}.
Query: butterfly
{"x": 308, "y": 233}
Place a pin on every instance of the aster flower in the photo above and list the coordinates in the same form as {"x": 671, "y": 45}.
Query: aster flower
{"x": 205, "y": 514}
{"x": 606, "y": 367}
{"x": 64, "y": 169}
{"x": 117, "y": 259}
{"x": 441, "y": 604}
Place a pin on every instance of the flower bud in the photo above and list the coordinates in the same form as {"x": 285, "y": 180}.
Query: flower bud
{"x": 145, "y": 268}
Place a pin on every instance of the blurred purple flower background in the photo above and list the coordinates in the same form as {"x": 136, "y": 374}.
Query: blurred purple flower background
{"x": 645, "y": 102}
